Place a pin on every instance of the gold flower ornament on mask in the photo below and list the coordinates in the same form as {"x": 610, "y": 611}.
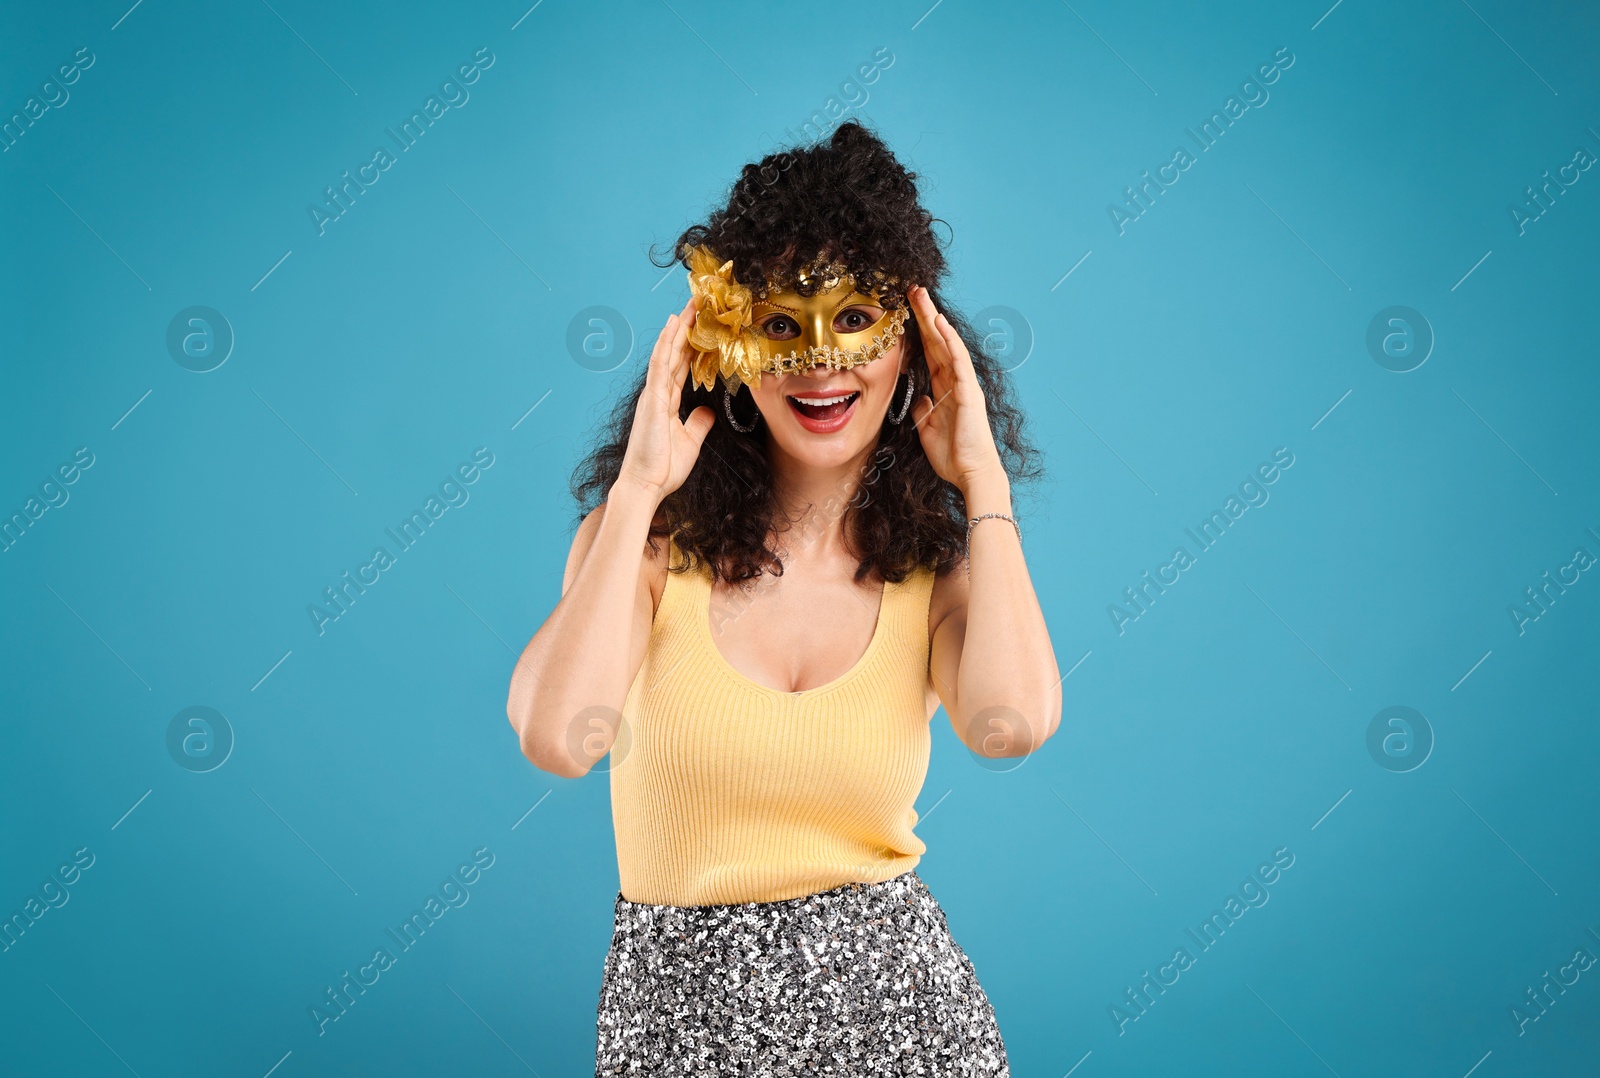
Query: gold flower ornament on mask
{"x": 721, "y": 335}
{"x": 828, "y": 328}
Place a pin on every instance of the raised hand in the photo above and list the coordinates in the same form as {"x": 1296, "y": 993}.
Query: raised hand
{"x": 953, "y": 422}
{"x": 661, "y": 448}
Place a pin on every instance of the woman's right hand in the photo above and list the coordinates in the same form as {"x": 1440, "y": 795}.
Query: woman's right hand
{"x": 662, "y": 448}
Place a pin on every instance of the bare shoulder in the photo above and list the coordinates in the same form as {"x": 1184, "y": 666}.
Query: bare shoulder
{"x": 652, "y": 562}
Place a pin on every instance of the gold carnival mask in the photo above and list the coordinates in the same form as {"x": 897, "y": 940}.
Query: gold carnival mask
{"x": 741, "y": 333}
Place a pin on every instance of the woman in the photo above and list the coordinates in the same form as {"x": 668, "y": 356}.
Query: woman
{"x": 815, "y": 443}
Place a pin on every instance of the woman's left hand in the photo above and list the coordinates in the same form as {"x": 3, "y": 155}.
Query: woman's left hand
{"x": 953, "y": 422}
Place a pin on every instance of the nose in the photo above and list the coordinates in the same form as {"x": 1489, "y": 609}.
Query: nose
{"x": 815, "y": 324}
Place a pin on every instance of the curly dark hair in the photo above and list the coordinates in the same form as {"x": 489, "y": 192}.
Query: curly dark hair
{"x": 849, "y": 200}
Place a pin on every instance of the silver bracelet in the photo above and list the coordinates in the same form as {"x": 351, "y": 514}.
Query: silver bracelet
{"x": 985, "y": 516}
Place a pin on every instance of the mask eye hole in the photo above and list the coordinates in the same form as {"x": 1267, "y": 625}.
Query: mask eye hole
{"x": 857, "y": 319}
{"x": 780, "y": 327}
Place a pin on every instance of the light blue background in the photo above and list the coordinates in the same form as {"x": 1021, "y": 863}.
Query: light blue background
{"x": 1223, "y": 724}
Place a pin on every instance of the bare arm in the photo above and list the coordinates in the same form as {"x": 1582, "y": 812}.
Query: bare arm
{"x": 991, "y": 658}
{"x": 992, "y": 663}
{"x": 573, "y": 677}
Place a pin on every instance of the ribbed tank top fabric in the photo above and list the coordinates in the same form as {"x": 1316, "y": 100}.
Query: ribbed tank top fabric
{"x": 724, "y": 790}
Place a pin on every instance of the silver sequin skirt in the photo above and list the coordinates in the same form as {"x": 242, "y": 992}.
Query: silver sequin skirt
{"x": 864, "y": 979}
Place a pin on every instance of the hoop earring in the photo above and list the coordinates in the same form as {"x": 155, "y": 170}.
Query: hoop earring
{"x": 727, "y": 409}
{"x": 905, "y": 407}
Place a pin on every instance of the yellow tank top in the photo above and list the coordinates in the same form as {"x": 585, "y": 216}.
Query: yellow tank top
{"x": 724, "y": 790}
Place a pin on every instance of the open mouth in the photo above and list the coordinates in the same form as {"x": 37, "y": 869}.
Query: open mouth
{"x": 823, "y": 410}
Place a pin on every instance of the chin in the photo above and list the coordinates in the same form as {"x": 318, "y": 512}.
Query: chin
{"x": 808, "y": 450}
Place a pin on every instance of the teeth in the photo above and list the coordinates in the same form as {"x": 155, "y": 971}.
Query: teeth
{"x": 818, "y": 402}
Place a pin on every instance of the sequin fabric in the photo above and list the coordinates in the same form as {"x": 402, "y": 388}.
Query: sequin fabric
{"x": 864, "y": 979}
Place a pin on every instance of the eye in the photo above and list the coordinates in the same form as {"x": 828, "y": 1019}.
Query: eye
{"x": 856, "y": 319}
{"x": 780, "y": 327}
